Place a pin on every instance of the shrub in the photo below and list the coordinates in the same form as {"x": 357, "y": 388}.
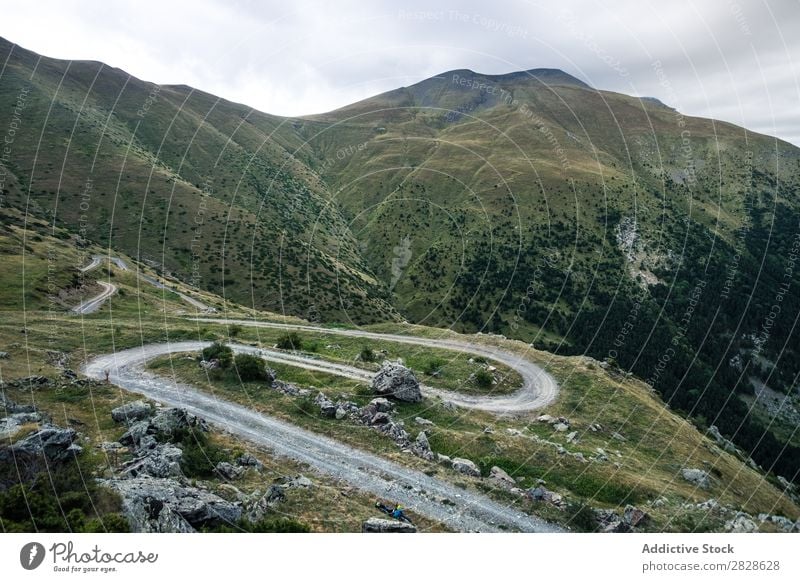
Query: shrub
{"x": 581, "y": 517}
{"x": 433, "y": 366}
{"x": 290, "y": 341}
{"x": 366, "y": 354}
{"x": 220, "y": 352}
{"x": 250, "y": 368}
{"x": 234, "y": 330}
{"x": 200, "y": 456}
{"x": 483, "y": 378}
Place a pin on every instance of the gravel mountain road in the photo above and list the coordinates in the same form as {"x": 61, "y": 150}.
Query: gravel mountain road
{"x": 457, "y": 508}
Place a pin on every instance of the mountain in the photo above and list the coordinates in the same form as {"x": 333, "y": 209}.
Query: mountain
{"x": 528, "y": 204}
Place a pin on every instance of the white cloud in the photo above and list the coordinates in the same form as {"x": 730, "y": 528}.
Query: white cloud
{"x": 729, "y": 59}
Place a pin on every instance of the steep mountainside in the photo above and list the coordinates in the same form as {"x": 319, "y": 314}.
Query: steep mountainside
{"x": 528, "y": 204}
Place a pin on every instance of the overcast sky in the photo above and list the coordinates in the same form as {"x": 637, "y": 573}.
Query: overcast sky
{"x": 736, "y": 60}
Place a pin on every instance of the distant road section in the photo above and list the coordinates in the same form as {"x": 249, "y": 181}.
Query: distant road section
{"x": 94, "y": 304}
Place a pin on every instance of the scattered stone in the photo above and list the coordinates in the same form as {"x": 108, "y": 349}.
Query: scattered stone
{"x": 466, "y": 467}
{"x": 443, "y": 459}
{"x": 618, "y": 437}
{"x": 397, "y": 381}
{"x": 572, "y": 437}
{"x": 131, "y": 411}
{"x": 579, "y": 457}
{"x": 596, "y": 427}
{"x": 378, "y": 525}
{"x": 488, "y": 430}
{"x": 326, "y": 406}
{"x": 300, "y": 481}
{"x": 727, "y": 445}
{"x": 545, "y": 418}
{"x": 423, "y": 421}
{"x": 561, "y": 450}
{"x": 786, "y": 483}
{"x": 600, "y": 455}
{"x": 514, "y": 432}
{"x": 4, "y": 355}
{"x": 500, "y": 477}
{"x": 449, "y": 406}
{"x": 561, "y": 427}
{"x": 172, "y": 420}
{"x": 697, "y": 477}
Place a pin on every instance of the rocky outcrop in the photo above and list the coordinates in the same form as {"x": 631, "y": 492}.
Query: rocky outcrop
{"x": 172, "y": 420}
{"x": 54, "y": 443}
{"x": 163, "y": 460}
{"x": 228, "y": 471}
{"x": 466, "y": 467}
{"x": 698, "y": 477}
{"x": 378, "y": 525}
{"x": 164, "y": 505}
{"x": 396, "y": 381}
{"x": 131, "y": 411}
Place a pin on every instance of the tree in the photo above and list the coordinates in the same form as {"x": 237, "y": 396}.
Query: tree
{"x": 250, "y": 368}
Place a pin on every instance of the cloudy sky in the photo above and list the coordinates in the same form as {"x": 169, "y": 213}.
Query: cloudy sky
{"x": 736, "y": 60}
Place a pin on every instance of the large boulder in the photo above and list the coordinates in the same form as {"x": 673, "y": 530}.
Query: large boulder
{"x": 173, "y": 420}
{"x": 698, "y": 477}
{"x": 466, "y": 467}
{"x": 422, "y": 448}
{"x": 378, "y": 525}
{"x": 501, "y": 478}
{"x": 396, "y": 381}
{"x": 163, "y": 460}
{"x": 164, "y": 505}
{"x": 131, "y": 411}
{"x": 55, "y": 443}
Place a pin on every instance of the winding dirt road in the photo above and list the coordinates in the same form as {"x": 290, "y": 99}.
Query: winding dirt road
{"x": 95, "y": 303}
{"x": 538, "y": 387}
{"x": 457, "y": 508}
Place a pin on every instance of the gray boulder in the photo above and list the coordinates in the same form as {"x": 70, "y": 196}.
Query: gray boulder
{"x": 633, "y": 516}
{"x": 131, "y": 411}
{"x": 501, "y": 478}
{"x": 171, "y": 420}
{"x": 228, "y": 471}
{"x": 163, "y": 460}
{"x": 164, "y": 505}
{"x": 381, "y": 404}
{"x": 248, "y": 460}
{"x": 378, "y": 525}
{"x": 55, "y": 443}
{"x": 135, "y": 433}
{"x": 466, "y": 467}
{"x": 397, "y": 381}
{"x": 422, "y": 447}
{"x": 697, "y": 477}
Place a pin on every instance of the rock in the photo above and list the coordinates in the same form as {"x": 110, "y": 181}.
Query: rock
{"x": 9, "y": 427}
{"x": 727, "y": 445}
{"x": 466, "y": 467}
{"x": 378, "y": 525}
{"x": 579, "y": 457}
{"x": 742, "y": 523}
{"x": 660, "y": 502}
{"x": 300, "y": 481}
{"x": 572, "y": 437}
{"x": 164, "y": 505}
{"x": 449, "y": 406}
{"x": 618, "y": 437}
{"x": 500, "y": 477}
{"x": 537, "y": 493}
{"x": 422, "y": 447}
{"x": 209, "y": 364}
{"x": 326, "y": 406}
{"x": 396, "y": 381}
{"x": 248, "y": 460}
{"x": 135, "y": 433}
{"x": 596, "y": 427}
{"x": 381, "y": 404}
{"x": 561, "y": 450}
{"x": 55, "y": 443}
{"x": 380, "y": 418}
{"x": 697, "y": 477}
{"x": 423, "y": 421}
{"x": 600, "y": 455}
{"x": 785, "y": 483}
{"x": 545, "y": 418}
{"x": 228, "y": 471}
{"x": 514, "y": 432}
{"x": 131, "y": 411}
{"x": 340, "y": 414}
{"x": 561, "y": 427}
{"x": 488, "y": 430}
{"x": 256, "y": 510}
{"x": 633, "y": 516}
{"x": 443, "y": 459}
{"x": 3, "y": 355}
{"x": 163, "y": 460}
{"x": 171, "y": 420}
{"x": 110, "y": 446}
